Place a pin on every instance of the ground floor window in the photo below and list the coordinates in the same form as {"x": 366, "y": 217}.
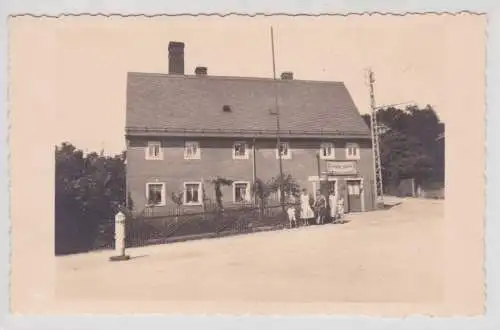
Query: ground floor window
{"x": 192, "y": 193}
{"x": 241, "y": 191}
{"x": 354, "y": 188}
{"x": 155, "y": 193}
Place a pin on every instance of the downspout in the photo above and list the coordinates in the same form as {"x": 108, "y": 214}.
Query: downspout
{"x": 254, "y": 169}
{"x": 319, "y": 165}
{"x": 125, "y": 161}
{"x": 319, "y": 175}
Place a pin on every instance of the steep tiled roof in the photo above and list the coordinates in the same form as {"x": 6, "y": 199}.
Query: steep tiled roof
{"x": 164, "y": 102}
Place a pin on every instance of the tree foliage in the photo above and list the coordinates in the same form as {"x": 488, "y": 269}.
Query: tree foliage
{"x": 89, "y": 189}
{"x": 263, "y": 190}
{"x": 287, "y": 183}
{"x": 408, "y": 146}
{"x": 218, "y": 183}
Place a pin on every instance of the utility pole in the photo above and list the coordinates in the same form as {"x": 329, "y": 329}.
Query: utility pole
{"x": 277, "y": 113}
{"x": 377, "y": 167}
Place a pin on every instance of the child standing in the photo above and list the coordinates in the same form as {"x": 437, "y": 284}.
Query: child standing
{"x": 292, "y": 215}
{"x": 292, "y": 212}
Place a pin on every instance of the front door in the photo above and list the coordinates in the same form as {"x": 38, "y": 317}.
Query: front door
{"x": 326, "y": 187}
{"x": 354, "y": 196}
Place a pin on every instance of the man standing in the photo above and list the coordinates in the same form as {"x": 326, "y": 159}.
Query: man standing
{"x": 320, "y": 208}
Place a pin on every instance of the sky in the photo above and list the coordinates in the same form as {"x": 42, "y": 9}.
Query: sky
{"x": 75, "y": 67}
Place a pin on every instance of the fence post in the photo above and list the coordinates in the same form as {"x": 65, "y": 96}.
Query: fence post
{"x": 119, "y": 238}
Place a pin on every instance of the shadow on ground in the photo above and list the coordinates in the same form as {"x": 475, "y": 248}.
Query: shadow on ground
{"x": 390, "y": 206}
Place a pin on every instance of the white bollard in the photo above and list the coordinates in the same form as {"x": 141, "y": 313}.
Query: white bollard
{"x": 119, "y": 238}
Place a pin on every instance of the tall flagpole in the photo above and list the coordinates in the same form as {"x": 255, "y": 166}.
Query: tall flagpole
{"x": 277, "y": 113}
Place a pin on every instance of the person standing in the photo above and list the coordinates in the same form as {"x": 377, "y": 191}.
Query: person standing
{"x": 320, "y": 208}
{"x": 332, "y": 202}
{"x": 340, "y": 207}
{"x": 306, "y": 212}
{"x": 291, "y": 212}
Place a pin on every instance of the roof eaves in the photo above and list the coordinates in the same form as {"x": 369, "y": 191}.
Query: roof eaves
{"x": 134, "y": 131}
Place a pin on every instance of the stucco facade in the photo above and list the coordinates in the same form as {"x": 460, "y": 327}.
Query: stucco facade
{"x": 215, "y": 158}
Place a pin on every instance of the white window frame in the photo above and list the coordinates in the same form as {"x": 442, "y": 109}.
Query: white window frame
{"x": 149, "y": 146}
{"x": 322, "y": 146}
{"x": 355, "y": 146}
{"x": 163, "y": 201}
{"x": 247, "y": 198}
{"x": 289, "y": 156}
{"x": 195, "y": 156}
{"x": 247, "y": 151}
{"x": 200, "y": 192}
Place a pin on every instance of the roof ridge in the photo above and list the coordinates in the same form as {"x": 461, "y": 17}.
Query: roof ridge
{"x": 239, "y": 78}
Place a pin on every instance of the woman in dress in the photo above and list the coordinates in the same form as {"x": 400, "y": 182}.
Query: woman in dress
{"x": 306, "y": 211}
{"x": 332, "y": 203}
{"x": 340, "y": 207}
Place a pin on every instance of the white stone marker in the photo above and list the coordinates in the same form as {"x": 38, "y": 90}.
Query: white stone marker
{"x": 119, "y": 238}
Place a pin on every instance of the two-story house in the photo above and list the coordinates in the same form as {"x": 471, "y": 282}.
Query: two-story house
{"x": 182, "y": 130}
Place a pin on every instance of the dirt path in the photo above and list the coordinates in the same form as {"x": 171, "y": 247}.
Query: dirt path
{"x": 383, "y": 256}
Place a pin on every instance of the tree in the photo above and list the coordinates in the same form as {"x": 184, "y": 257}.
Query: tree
{"x": 403, "y": 157}
{"x": 287, "y": 183}
{"x": 89, "y": 189}
{"x": 408, "y": 146}
{"x": 263, "y": 190}
{"x": 218, "y": 183}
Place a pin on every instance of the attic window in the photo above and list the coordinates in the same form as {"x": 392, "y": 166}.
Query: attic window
{"x": 226, "y": 108}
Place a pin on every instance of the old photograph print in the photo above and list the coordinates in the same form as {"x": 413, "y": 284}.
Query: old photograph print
{"x": 260, "y": 165}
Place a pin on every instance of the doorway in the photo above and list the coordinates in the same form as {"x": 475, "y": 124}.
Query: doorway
{"x": 324, "y": 185}
{"x": 327, "y": 186}
{"x": 354, "y": 196}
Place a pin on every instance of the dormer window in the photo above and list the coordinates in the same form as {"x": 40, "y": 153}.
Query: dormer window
{"x": 226, "y": 108}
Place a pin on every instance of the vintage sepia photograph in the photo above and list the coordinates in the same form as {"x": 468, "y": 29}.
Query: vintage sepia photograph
{"x": 250, "y": 165}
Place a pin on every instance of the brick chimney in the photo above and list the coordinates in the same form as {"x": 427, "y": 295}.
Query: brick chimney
{"x": 200, "y": 71}
{"x": 176, "y": 57}
{"x": 287, "y": 75}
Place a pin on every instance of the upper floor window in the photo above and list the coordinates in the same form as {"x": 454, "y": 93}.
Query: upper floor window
{"x": 192, "y": 193}
{"x": 352, "y": 151}
{"x": 154, "y": 150}
{"x": 192, "y": 150}
{"x": 284, "y": 150}
{"x": 240, "y": 150}
{"x": 327, "y": 150}
{"x": 155, "y": 193}
{"x": 241, "y": 191}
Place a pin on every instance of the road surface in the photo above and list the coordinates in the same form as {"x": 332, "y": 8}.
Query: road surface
{"x": 390, "y": 256}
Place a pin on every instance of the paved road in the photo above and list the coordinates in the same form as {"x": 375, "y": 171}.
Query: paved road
{"x": 390, "y": 256}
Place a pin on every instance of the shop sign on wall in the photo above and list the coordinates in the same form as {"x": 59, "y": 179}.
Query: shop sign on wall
{"x": 341, "y": 167}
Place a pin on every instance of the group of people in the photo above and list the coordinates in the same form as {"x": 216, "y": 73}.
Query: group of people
{"x": 319, "y": 209}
